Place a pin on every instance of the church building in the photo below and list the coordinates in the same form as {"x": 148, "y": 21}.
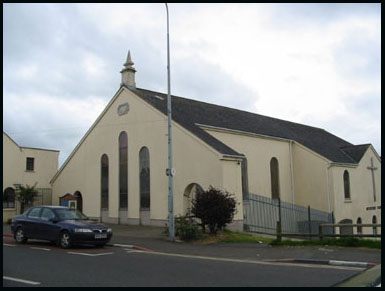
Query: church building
{"x": 118, "y": 169}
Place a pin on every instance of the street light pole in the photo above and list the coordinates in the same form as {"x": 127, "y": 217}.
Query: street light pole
{"x": 170, "y": 170}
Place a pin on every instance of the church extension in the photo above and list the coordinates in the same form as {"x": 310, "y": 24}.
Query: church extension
{"x": 118, "y": 167}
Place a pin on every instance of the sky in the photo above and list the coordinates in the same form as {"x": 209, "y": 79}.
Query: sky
{"x": 315, "y": 64}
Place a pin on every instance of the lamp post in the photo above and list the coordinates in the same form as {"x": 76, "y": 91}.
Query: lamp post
{"x": 170, "y": 170}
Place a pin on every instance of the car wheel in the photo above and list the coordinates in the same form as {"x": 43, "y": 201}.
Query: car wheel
{"x": 65, "y": 240}
{"x": 20, "y": 236}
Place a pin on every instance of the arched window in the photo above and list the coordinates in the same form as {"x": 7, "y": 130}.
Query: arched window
{"x": 374, "y": 221}
{"x": 104, "y": 181}
{"x": 144, "y": 178}
{"x": 274, "y": 175}
{"x": 359, "y": 228}
{"x": 245, "y": 181}
{"x": 123, "y": 171}
{"x": 9, "y": 198}
{"x": 346, "y": 185}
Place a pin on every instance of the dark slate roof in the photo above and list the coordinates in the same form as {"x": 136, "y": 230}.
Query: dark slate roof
{"x": 356, "y": 152}
{"x": 189, "y": 112}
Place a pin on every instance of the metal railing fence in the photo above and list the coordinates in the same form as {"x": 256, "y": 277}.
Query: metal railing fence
{"x": 261, "y": 215}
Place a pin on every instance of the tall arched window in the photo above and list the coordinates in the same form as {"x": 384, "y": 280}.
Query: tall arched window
{"x": 104, "y": 181}
{"x": 9, "y": 198}
{"x": 244, "y": 178}
{"x": 374, "y": 221}
{"x": 359, "y": 228}
{"x": 144, "y": 178}
{"x": 274, "y": 175}
{"x": 346, "y": 185}
{"x": 123, "y": 171}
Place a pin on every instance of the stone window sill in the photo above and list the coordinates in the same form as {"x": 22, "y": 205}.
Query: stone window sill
{"x": 348, "y": 201}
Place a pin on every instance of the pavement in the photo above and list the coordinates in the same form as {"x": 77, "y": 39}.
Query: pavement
{"x": 150, "y": 238}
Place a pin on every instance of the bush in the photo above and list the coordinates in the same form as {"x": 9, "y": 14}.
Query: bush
{"x": 186, "y": 228}
{"x": 214, "y": 208}
{"x": 26, "y": 195}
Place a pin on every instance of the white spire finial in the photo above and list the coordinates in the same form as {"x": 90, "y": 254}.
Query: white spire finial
{"x": 128, "y": 63}
{"x": 128, "y": 72}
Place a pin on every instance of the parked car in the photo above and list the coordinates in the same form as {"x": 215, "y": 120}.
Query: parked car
{"x": 61, "y": 225}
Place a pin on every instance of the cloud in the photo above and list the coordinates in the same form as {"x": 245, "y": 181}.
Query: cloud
{"x": 289, "y": 16}
{"x": 317, "y": 64}
{"x": 214, "y": 85}
{"x": 60, "y": 122}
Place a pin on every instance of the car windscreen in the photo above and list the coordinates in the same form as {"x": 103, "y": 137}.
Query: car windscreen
{"x": 70, "y": 214}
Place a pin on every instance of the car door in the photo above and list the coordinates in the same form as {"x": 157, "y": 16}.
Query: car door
{"x": 47, "y": 229}
{"x": 31, "y": 222}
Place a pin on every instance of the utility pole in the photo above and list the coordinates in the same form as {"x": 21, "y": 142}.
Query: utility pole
{"x": 170, "y": 170}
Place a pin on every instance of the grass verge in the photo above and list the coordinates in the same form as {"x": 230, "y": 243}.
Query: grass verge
{"x": 228, "y": 236}
{"x": 236, "y": 237}
{"x": 342, "y": 242}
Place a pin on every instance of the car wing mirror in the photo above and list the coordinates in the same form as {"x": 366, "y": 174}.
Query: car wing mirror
{"x": 54, "y": 220}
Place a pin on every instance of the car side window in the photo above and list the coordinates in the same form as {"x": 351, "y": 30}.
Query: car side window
{"x": 34, "y": 213}
{"x": 47, "y": 214}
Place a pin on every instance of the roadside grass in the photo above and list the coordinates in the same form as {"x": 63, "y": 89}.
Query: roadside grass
{"x": 342, "y": 242}
{"x": 237, "y": 237}
{"x": 228, "y": 236}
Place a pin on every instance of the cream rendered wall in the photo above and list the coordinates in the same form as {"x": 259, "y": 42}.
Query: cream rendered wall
{"x": 82, "y": 172}
{"x": 194, "y": 161}
{"x": 11, "y": 170}
{"x": 45, "y": 166}
{"x": 259, "y": 152}
{"x": 232, "y": 182}
{"x": 14, "y": 165}
{"x": 310, "y": 178}
{"x": 361, "y": 191}
{"x": 14, "y": 168}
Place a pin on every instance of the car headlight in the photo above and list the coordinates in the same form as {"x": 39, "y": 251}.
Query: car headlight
{"x": 109, "y": 229}
{"x": 82, "y": 230}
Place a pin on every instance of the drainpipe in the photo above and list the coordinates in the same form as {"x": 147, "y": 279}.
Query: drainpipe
{"x": 327, "y": 185}
{"x": 291, "y": 170}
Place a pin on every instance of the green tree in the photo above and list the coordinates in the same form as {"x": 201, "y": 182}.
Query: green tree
{"x": 25, "y": 195}
{"x": 214, "y": 208}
